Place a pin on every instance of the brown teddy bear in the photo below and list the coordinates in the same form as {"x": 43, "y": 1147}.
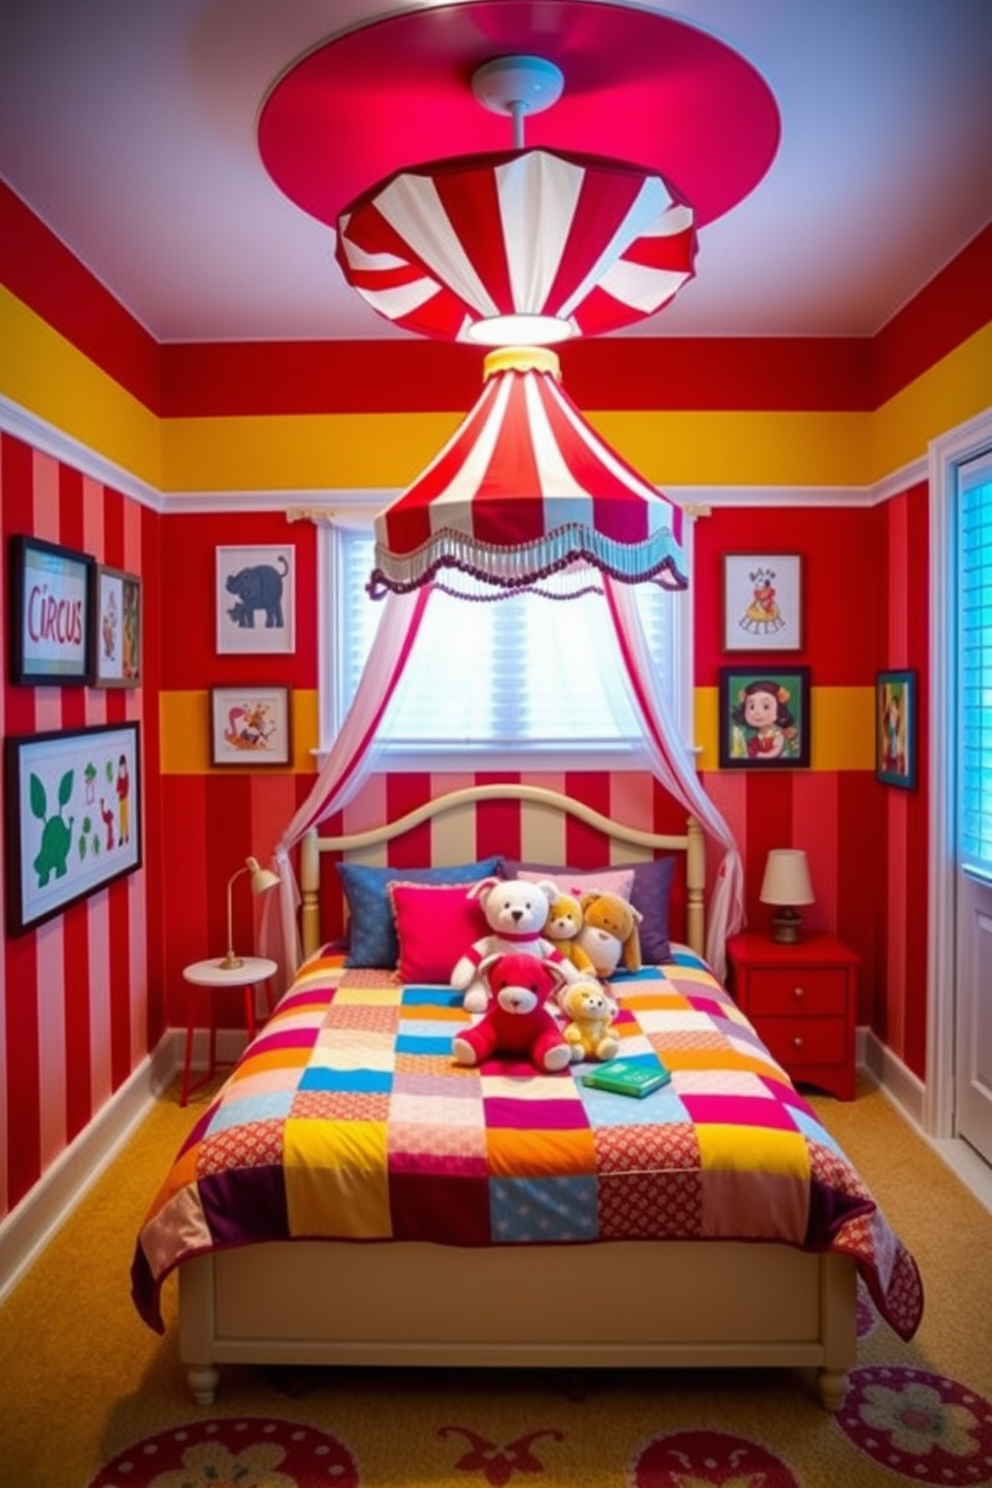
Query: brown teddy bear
{"x": 609, "y": 933}
{"x": 562, "y": 928}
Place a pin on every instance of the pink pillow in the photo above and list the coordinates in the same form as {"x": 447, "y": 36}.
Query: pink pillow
{"x": 609, "y": 881}
{"x": 435, "y": 924}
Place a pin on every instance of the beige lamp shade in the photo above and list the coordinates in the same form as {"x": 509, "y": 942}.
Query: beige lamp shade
{"x": 261, "y": 880}
{"x": 786, "y": 883}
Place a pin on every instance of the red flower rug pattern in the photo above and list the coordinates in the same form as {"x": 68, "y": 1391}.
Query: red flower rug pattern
{"x": 247, "y": 1451}
{"x": 928, "y": 1428}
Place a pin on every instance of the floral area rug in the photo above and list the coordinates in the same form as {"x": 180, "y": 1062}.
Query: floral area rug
{"x": 559, "y": 1429}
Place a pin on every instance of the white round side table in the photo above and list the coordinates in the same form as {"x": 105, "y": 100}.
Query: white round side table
{"x": 214, "y": 975}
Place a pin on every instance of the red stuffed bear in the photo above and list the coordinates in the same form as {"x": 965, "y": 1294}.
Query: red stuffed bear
{"x": 517, "y": 1020}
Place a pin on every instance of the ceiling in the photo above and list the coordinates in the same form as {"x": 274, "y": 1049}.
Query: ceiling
{"x": 131, "y": 127}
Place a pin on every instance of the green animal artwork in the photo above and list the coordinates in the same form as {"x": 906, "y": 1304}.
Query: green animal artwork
{"x": 56, "y": 835}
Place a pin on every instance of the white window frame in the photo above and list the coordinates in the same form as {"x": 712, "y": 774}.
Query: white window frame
{"x": 332, "y": 613}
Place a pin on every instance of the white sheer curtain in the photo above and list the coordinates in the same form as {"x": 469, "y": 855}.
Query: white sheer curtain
{"x": 349, "y": 761}
{"x": 674, "y": 767}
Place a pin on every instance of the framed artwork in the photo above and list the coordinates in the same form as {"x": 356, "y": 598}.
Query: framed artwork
{"x": 116, "y": 641}
{"x": 256, "y": 600}
{"x": 764, "y": 717}
{"x": 762, "y": 602}
{"x": 73, "y": 817}
{"x": 895, "y": 728}
{"x": 249, "y": 726}
{"x": 51, "y": 591}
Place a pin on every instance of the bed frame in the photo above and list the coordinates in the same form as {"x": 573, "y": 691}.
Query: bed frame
{"x": 689, "y": 1304}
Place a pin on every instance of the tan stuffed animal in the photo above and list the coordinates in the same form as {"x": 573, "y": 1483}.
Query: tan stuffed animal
{"x": 609, "y": 933}
{"x": 591, "y": 1012}
{"x": 562, "y": 928}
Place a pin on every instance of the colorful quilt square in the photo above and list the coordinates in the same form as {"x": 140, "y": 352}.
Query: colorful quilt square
{"x": 417, "y": 1147}
{"x": 524, "y": 1153}
{"x": 543, "y": 1211}
{"x": 424, "y": 1204}
{"x": 243, "y": 1106}
{"x": 364, "y": 1081}
{"x": 507, "y": 1111}
{"x": 335, "y": 1178}
{"x": 764, "y": 1206}
{"x": 340, "y": 1105}
{"x": 653, "y": 1205}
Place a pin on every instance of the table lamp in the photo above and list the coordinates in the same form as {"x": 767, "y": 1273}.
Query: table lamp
{"x": 262, "y": 879}
{"x": 786, "y": 884}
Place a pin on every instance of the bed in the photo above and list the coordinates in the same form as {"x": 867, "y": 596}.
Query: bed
{"x": 352, "y": 1197}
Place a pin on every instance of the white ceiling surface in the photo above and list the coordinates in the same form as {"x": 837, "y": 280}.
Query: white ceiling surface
{"x": 129, "y": 127}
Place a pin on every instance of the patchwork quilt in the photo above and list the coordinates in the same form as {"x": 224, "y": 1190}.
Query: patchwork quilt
{"x": 347, "y": 1119}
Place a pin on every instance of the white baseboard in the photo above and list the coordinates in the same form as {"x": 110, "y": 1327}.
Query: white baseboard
{"x": 907, "y": 1093}
{"x": 27, "y": 1229}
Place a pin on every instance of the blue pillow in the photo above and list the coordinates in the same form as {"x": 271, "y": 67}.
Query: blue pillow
{"x": 372, "y": 930}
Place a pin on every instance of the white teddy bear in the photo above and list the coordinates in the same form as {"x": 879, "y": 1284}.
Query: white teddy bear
{"x": 516, "y": 912}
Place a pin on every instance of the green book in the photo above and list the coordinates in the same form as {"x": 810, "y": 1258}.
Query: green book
{"x": 624, "y": 1078}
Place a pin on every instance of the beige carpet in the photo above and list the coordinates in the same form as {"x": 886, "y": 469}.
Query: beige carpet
{"x": 89, "y": 1396}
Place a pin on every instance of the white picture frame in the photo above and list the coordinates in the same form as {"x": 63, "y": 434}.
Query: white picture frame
{"x": 256, "y": 600}
{"x": 762, "y": 602}
{"x": 250, "y": 725}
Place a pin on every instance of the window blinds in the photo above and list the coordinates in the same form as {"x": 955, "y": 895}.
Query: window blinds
{"x": 975, "y": 664}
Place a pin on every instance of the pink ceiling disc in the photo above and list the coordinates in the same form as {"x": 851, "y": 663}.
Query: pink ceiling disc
{"x": 639, "y": 87}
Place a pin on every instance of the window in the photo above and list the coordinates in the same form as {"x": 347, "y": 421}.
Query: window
{"x": 975, "y": 664}
{"x": 500, "y": 682}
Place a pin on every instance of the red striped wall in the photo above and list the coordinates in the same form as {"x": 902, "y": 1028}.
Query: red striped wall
{"x": 81, "y": 994}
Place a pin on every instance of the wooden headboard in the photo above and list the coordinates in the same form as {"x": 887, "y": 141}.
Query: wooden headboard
{"x": 453, "y": 816}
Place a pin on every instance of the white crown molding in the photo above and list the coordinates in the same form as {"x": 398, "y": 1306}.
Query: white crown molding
{"x": 50, "y": 440}
{"x": 313, "y": 505}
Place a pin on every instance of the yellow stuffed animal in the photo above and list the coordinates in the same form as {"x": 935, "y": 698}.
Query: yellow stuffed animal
{"x": 591, "y": 1012}
{"x": 562, "y": 929}
{"x": 609, "y": 933}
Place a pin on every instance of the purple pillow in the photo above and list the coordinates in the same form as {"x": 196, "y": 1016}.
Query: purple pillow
{"x": 649, "y": 893}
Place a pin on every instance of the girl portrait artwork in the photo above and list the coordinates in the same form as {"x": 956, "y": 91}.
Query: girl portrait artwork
{"x": 895, "y": 745}
{"x": 764, "y": 718}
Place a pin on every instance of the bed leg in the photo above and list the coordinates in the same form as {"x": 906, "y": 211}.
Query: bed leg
{"x": 202, "y": 1380}
{"x": 833, "y": 1388}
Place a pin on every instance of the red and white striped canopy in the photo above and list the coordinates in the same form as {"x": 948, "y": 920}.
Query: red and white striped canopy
{"x": 525, "y": 490}
{"x": 578, "y": 244}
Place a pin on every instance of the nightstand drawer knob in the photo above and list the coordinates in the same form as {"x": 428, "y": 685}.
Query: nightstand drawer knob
{"x": 798, "y": 992}
{"x": 797, "y": 1042}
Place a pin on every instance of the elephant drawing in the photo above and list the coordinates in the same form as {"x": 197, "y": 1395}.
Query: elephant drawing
{"x": 258, "y": 587}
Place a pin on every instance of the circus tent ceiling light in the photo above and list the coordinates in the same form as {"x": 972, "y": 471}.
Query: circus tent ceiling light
{"x": 526, "y": 496}
{"x": 659, "y": 130}
{"x": 530, "y": 246}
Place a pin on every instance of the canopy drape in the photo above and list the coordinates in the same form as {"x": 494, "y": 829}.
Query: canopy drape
{"x": 354, "y": 751}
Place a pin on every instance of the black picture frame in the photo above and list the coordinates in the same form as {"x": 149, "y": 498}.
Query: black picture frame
{"x": 115, "y": 644}
{"x": 895, "y": 728}
{"x": 51, "y": 597}
{"x": 764, "y": 715}
{"x": 73, "y": 808}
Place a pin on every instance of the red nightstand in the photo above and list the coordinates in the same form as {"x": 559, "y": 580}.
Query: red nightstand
{"x": 802, "y": 999}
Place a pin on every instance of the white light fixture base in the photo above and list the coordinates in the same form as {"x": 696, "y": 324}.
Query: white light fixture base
{"x": 517, "y": 86}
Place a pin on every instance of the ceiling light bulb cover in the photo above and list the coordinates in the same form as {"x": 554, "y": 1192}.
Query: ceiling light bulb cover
{"x": 526, "y": 497}
{"x": 588, "y": 244}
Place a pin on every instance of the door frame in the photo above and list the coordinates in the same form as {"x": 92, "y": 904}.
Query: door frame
{"x": 945, "y": 455}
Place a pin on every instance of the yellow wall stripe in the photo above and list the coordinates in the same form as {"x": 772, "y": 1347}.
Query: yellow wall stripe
{"x": 44, "y": 373}
{"x": 842, "y": 728}
{"x": 841, "y": 723}
{"x": 184, "y": 733}
{"x": 956, "y": 389}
